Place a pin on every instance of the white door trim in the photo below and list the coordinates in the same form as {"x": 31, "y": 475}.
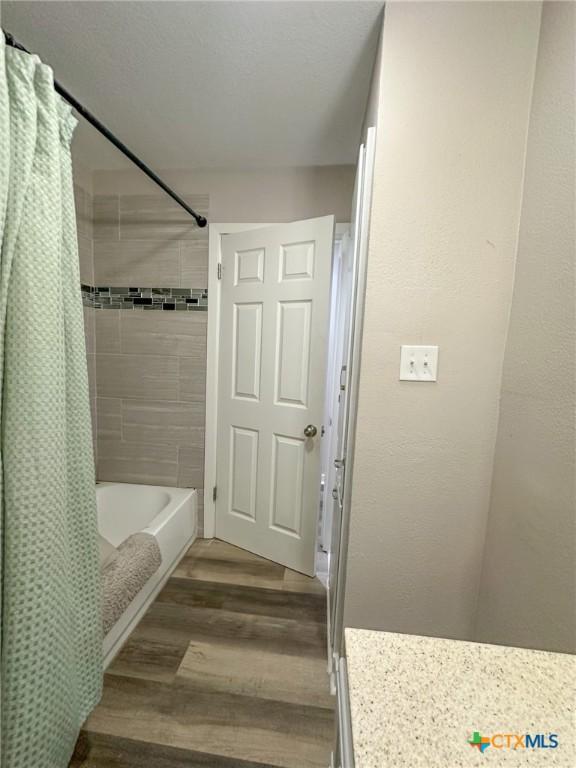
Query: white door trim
{"x": 336, "y": 632}
{"x": 332, "y": 384}
{"x": 215, "y": 232}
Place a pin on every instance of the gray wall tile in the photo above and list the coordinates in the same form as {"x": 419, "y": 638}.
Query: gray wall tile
{"x": 94, "y": 428}
{"x": 91, "y": 366}
{"x": 141, "y": 376}
{"x": 129, "y": 471}
{"x": 164, "y": 333}
{"x": 137, "y": 462}
{"x": 192, "y": 380}
{"x": 194, "y": 263}
{"x": 83, "y": 205}
{"x": 79, "y": 204}
{"x": 191, "y": 467}
{"x": 138, "y": 263}
{"x": 107, "y": 330}
{"x": 150, "y": 366}
{"x": 91, "y": 360}
{"x": 118, "y": 449}
{"x": 89, "y": 215}
{"x": 180, "y": 424}
{"x": 159, "y": 217}
{"x": 109, "y": 417}
{"x": 163, "y": 434}
{"x": 89, "y": 333}
{"x": 163, "y": 414}
{"x": 85, "y": 260}
{"x": 106, "y": 217}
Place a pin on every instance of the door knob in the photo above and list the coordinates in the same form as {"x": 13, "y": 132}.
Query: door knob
{"x": 310, "y": 430}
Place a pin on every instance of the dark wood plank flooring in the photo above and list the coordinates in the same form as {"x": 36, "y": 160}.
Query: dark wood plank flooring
{"x": 227, "y": 669}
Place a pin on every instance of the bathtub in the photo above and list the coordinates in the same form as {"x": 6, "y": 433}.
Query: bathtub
{"x": 169, "y": 514}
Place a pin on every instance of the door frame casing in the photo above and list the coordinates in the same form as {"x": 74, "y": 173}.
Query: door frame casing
{"x": 336, "y": 630}
{"x": 215, "y": 232}
{"x": 333, "y": 373}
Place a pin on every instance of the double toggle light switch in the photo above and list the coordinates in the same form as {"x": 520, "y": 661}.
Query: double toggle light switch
{"x": 418, "y": 363}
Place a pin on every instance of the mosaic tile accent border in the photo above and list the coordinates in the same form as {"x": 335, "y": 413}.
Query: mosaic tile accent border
{"x": 170, "y": 299}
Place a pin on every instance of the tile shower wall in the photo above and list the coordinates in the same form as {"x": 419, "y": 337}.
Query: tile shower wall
{"x": 150, "y": 365}
{"x": 83, "y": 202}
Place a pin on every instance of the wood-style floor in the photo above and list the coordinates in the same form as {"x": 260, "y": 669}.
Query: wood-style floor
{"x": 227, "y": 669}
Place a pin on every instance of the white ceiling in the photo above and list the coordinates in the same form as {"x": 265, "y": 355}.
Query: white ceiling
{"x": 210, "y": 84}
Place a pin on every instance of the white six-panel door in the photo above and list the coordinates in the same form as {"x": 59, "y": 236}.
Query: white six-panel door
{"x": 273, "y": 338}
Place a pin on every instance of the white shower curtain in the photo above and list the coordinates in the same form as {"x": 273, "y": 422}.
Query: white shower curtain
{"x": 51, "y": 636}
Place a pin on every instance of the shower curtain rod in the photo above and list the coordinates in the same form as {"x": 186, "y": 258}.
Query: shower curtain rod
{"x": 87, "y": 115}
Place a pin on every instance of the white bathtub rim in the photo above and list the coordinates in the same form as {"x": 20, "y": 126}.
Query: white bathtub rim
{"x": 117, "y": 636}
{"x": 166, "y": 526}
{"x": 175, "y": 497}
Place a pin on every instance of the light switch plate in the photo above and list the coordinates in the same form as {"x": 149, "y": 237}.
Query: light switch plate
{"x": 418, "y": 363}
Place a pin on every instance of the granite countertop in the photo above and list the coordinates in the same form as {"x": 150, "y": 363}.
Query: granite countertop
{"x": 416, "y": 701}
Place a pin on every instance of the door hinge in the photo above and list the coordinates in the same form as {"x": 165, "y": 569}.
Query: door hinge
{"x": 219, "y": 271}
{"x": 214, "y": 494}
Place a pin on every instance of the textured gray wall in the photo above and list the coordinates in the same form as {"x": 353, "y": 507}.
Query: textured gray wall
{"x": 455, "y": 90}
{"x": 528, "y": 594}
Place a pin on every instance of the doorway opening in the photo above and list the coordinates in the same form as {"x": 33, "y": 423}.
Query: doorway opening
{"x": 284, "y": 332}
{"x": 271, "y": 322}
